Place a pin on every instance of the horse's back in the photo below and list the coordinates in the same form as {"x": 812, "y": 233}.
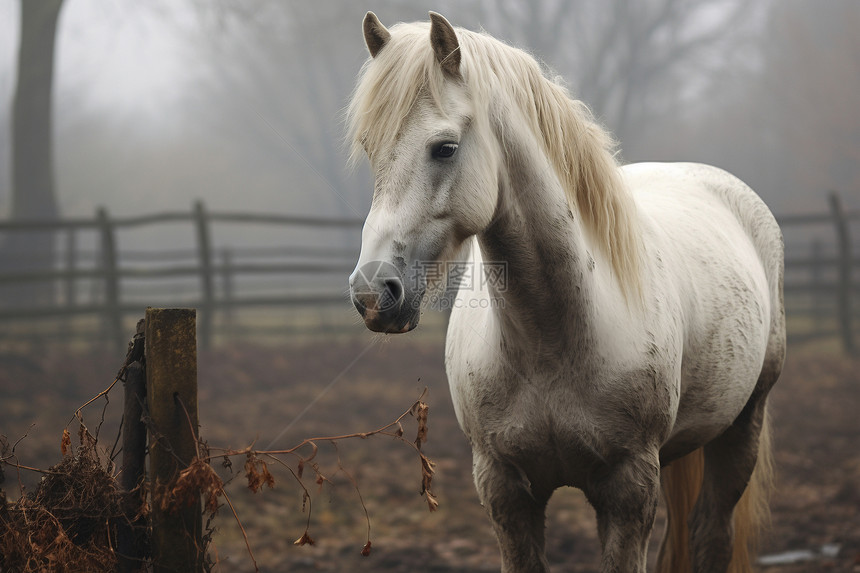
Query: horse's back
{"x": 719, "y": 252}
{"x": 705, "y": 211}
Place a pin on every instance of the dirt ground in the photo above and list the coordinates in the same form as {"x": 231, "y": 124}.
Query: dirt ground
{"x": 276, "y": 395}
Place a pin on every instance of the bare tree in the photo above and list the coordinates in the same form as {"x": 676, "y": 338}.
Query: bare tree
{"x": 633, "y": 62}
{"x": 32, "y": 161}
{"x": 809, "y": 93}
{"x": 33, "y": 195}
{"x": 284, "y": 71}
{"x": 787, "y": 121}
{"x": 281, "y": 80}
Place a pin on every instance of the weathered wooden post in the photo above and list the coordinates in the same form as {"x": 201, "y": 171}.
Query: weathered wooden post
{"x": 843, "y": 297}
{"x": 131, "y": 532}
{"x": 171, "y": 379}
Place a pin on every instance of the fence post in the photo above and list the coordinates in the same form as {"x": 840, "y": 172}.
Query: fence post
{"x": 171, "y": 379}
{"x": 843, "y": 245}
{"x": 131, "y": 532}
{"x": 227, "y": 288}
{"x": 113, "y": 315}
{"x": 71, "y": 267}
{"x": 69, "y": 284}
{"x": 204, "y": 253}
{"x": 815, "y": 291}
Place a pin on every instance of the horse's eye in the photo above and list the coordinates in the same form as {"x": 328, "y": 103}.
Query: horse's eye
{"x": 445, "y": 150}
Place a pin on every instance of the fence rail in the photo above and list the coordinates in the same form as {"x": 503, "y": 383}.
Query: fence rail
{"x": 820, "y": 283}
{"x": 111, "y": 270}
{"x": 824, "y": 296}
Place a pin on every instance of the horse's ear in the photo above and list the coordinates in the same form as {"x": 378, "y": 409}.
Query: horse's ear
{"x": 375, "y": 34}
{"x": 445, "y": 44}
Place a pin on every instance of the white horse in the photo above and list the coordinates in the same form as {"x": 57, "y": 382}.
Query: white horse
{"x": 636, "y": 330}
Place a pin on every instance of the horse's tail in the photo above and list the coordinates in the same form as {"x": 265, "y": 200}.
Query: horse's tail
{"x": 681, "y": 481}
{"x": 752, "y": 512}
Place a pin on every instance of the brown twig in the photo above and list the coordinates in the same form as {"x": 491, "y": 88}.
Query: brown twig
{"x": 190, "y": 424}
{"x": 352, "y": 480}
{"x": 307, "y": 494}
{"x": 393, "y": 429}
{"x": 28, "y": 468}
{"x": 309, "y": 441}
{"x": 242, "y": 528}
{"x": 91, "y": 400}
{"x": 104, "y": 411}
{"x": 19, "y": 440}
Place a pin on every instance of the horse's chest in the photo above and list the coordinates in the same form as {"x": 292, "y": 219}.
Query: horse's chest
{"x": 542, "y": 424}
{"x": 550, "y": 450}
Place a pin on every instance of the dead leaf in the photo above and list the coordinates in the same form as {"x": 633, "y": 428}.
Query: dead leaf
{"x": 432, "y": 503}
{"x": 427, "y": 471}
{"x": 197, "y": 479}
{"x": 66, "y": 442}
{"x": 421, "y": 410}
{"x": 305, "y": 539}
{"x": 257, "y": 478}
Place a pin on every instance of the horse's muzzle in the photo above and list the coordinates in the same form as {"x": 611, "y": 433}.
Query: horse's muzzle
{"x": 382, "y": 298}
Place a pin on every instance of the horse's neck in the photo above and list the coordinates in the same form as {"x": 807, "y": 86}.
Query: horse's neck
{"x": 548, "y": 284}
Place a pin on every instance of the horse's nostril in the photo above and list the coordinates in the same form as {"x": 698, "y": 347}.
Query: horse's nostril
{"x": 359, "y": 304}
{"x": 393, "y": 292}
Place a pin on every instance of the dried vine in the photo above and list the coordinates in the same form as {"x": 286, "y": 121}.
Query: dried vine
{"x": 72, "y": 518}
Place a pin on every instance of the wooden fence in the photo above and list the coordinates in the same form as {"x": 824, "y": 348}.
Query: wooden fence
{"x": 113, "y": 270}
{"x": 821, "y": 283}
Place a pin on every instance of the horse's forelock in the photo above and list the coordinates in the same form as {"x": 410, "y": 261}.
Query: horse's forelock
{"x": 389, "y": 85}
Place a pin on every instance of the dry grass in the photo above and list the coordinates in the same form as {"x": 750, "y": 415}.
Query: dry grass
{"x": 253, "y": 393}
{"x": 69, "y": 522}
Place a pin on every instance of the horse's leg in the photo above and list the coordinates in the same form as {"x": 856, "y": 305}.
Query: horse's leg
{"x": 625, "y": 499}
{"x": 729, "y": 463}
{"x": 517, "y": 512}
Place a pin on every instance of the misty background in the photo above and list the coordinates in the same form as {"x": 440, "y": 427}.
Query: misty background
{"x": 239, "y": 103}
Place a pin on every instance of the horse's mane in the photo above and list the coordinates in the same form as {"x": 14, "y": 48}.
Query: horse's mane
{"x": 581, "y": 152}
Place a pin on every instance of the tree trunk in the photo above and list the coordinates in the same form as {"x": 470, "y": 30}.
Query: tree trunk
{"x": 33, "y": 194}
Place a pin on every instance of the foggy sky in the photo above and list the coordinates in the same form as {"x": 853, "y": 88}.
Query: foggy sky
{"x": 158, "y": 104}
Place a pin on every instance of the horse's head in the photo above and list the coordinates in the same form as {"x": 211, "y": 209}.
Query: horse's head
{"x": 435, "y": 167}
